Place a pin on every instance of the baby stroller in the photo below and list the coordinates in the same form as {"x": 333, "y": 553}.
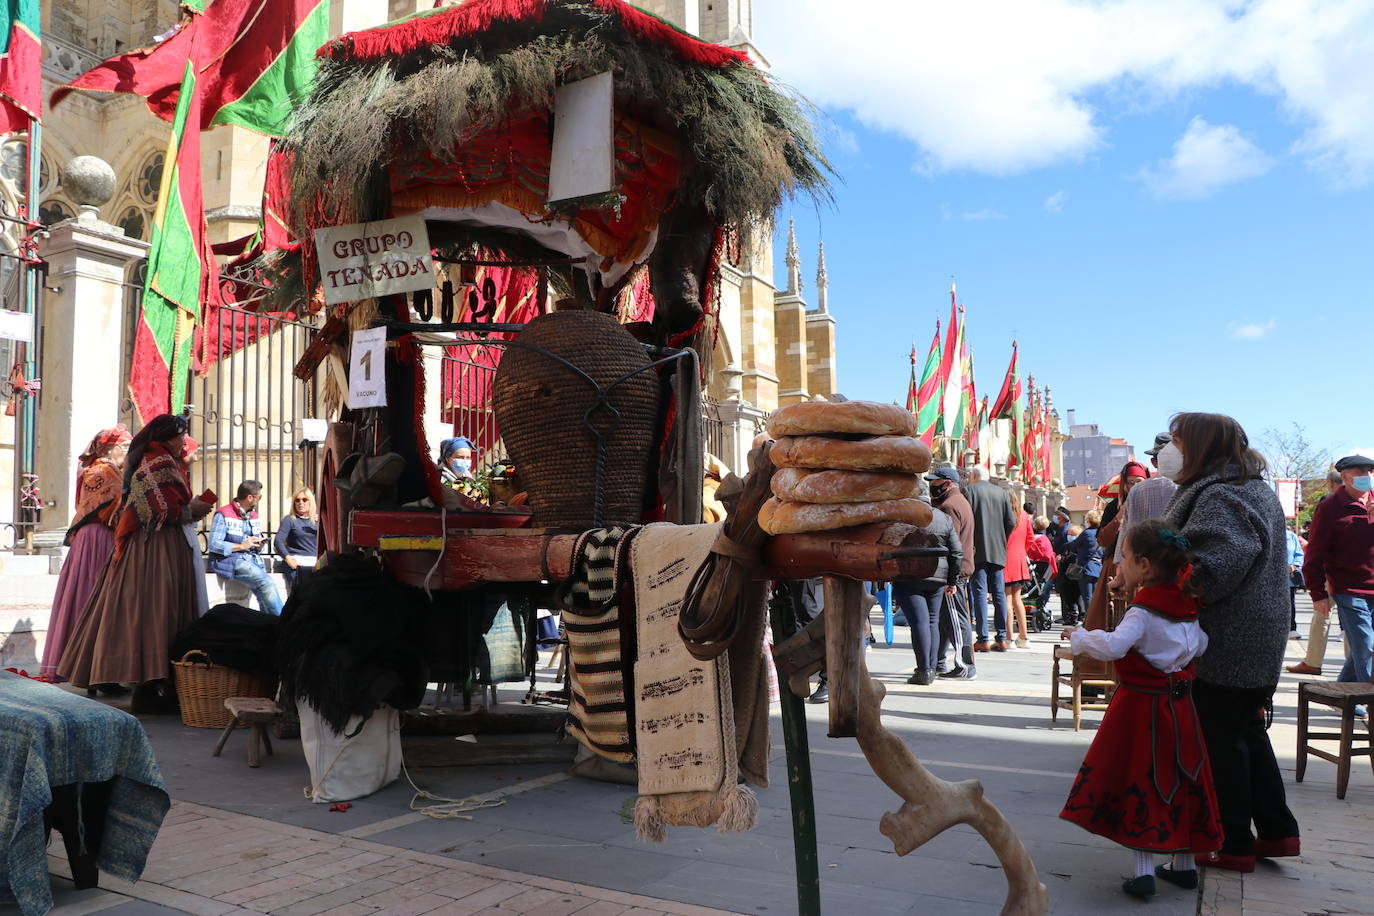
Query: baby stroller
{"x": 1035, "y": 593}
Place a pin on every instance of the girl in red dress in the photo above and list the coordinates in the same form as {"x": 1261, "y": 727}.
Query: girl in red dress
{"x": 1145, "y": 782}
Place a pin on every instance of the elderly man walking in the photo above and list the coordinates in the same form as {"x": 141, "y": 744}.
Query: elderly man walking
{"x": 1317, "y": 629}
{"x": 1340, "y": 554}
{"x": 993, "y": 521}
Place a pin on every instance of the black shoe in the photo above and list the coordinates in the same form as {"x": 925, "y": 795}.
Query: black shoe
{"x": 107, "y": 690}
{"x": 1141, "y": 886}
{"x": 871, "y": 640}
{"x": 821, "y": 694}
{"x": 922, "y": 677}
{"x": 967, "y": 673}
{"x": 1184, "y": 879}
{"x": 1090, "y": 692}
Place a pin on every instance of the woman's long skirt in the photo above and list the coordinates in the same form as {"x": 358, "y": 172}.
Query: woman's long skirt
{"x": 141, "y": 602}
{"x": 90, "y": 551}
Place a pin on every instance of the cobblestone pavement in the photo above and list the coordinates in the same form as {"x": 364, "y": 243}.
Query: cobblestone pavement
{"x": 241, "y": 839}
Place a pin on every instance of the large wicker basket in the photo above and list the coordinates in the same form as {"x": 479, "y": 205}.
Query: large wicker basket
{"x": 543, "y": 407}
{"x": 202, "y": 688}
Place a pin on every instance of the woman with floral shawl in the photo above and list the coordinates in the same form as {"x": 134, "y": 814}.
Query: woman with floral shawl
{"x": 148, "y": 591}
{"x": 99, "y": 479}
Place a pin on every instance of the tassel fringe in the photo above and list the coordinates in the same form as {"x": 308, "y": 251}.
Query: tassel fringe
{"x": 740, "y": 811}
{"x": 650, "y": 825}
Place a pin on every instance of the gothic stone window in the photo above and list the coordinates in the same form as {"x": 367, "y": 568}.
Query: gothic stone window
{"x": 14, "y": 166}
{"x": 53, "y": 211}
{"x": 132, "y": 222}
{"x": 149, "y": 179}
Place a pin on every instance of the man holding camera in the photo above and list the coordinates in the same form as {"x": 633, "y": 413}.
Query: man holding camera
{"x": 235, "y": 540}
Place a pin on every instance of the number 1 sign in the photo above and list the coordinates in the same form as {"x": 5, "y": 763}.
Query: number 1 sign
{"x": 366, "y": 369}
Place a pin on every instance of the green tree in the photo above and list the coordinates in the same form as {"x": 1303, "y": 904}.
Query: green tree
{"x": 1291, "y": 454}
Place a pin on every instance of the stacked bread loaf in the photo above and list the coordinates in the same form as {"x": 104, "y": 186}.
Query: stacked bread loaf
{"x": 844, "y": 463}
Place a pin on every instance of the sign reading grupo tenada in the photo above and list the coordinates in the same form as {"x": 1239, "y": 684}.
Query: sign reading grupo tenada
{"x": 365, "y": 260}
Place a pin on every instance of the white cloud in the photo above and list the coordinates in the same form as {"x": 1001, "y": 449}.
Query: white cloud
{"x": 1002, "y": 86}
{"x": 1055, "y": 202}
{"x": 1206, "y": 157}
{"x": 1253, "y": 330}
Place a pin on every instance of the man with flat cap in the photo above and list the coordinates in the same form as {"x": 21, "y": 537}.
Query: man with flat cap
{"x": 1340, "y": 553}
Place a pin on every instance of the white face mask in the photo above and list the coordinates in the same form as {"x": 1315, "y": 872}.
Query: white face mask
{"x": 1170, "y": 461}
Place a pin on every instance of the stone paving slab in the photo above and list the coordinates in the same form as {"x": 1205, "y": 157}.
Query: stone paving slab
{"x": 245, "y": 841}
{"x": 244, "y": 864}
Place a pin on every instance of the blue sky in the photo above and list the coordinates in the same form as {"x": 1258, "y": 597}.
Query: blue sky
{"x": 1169, "y": 203}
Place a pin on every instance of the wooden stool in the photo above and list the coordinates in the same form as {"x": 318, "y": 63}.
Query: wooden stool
{"x": 257, "y": 713}
{"x": 1344, "y": 697}
{"x": 1075, "y": 680}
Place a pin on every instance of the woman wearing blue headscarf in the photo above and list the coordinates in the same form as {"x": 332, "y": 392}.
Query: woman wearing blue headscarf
{"x": 455, "y": 460}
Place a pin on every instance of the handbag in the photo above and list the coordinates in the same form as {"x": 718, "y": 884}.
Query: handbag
{"x": 1076, "y": 572}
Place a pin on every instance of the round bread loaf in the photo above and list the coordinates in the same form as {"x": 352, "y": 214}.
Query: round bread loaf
{"x": 806, "y": 486}
{"x": 819, "y": 418}
{"x": 780, "y": 517}
{"x": 877, "y": 453}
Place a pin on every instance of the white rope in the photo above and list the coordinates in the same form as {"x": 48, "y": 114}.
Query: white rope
{"x": 443, "y": 544}
{"x": 447, "y": 808}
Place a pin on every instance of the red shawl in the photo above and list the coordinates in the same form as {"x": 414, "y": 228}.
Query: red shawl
{"x": 97, "y": 495}
{"x": 158, "y": 496}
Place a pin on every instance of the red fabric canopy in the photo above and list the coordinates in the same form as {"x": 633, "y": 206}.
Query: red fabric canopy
{"x": 445, "y": 25}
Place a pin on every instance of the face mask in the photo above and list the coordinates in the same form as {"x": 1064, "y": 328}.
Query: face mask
{"x": 1170, "y": 461}
{"x": 1364, "y": 483}
{"x": 461, "y": 465}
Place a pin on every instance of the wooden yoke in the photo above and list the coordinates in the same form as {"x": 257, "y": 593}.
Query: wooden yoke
{"x": 410, "y": 543}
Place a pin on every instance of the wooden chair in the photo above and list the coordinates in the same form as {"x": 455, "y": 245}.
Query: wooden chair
{"x": 1343, "y": 697}
{"x": 257, "y": 713}
{"x": 1084, "y": 671}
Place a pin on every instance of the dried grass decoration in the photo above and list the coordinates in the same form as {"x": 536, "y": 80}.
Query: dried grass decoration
{"x": 436, "y": 81}
{"x": 543, "y": 406}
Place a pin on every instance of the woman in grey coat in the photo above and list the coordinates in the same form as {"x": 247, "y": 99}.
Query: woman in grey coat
{"x": 1234, "y": 522}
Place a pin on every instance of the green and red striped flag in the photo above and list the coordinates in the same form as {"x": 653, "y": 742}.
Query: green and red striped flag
{"x": 178, "y": 281}
{"x": 952, "y": 373}
{"x": 924, "y": 397}
{"x": 21, "y": 66}
{"x": 253, "y": 59}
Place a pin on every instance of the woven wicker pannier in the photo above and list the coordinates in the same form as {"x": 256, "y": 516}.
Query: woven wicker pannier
{"x": 202, "y": 688}
{"x": 541, "y": 409}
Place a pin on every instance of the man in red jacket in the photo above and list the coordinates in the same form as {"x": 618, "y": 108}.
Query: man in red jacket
{"x": 1340, "y": 553}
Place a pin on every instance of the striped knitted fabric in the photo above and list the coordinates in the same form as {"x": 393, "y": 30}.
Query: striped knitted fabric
{"x": 598, "y": 714}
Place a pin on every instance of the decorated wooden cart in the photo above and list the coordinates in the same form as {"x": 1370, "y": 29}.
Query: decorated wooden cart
{"x": 547, "y": 187}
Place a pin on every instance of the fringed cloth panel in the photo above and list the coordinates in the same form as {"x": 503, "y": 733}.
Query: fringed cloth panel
{"x": 598, "y": 713}
{"x": 510, "y": 166}
{"x": 684, "y": 707}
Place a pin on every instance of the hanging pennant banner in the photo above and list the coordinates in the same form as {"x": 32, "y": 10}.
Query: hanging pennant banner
{"x": 366, "y": 369}
{"x": 1286, "y": 489}
{"x": 366, "y": 260}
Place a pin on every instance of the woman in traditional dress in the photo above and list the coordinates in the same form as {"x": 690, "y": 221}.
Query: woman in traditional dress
{"x": 99, "y": 480}
{"x": 1145, "y": 782}
{"x": 148, "y": 591}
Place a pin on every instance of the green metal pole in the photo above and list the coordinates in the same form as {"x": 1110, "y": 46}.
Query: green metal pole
{"x": 798, "y": 769}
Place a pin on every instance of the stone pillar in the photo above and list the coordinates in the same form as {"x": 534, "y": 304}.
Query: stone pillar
{"x": 83, "y": 330}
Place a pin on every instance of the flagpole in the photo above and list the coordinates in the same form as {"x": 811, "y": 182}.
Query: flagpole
{"x": 27, "y": 415}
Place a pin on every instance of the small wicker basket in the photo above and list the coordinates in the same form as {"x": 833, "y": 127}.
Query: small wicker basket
{"x": 202, "y": 688}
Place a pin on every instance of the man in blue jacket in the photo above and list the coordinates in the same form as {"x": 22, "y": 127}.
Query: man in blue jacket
{"x": 235, "y": 539}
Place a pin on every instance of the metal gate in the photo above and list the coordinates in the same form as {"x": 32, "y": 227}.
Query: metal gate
{"x": 246, "y": 413}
